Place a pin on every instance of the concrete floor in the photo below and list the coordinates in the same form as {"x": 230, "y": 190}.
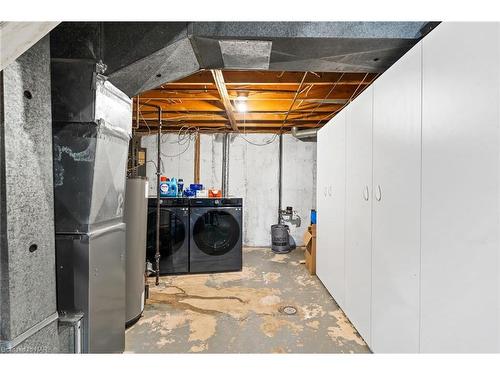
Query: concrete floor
{"x": 242, "y": 312}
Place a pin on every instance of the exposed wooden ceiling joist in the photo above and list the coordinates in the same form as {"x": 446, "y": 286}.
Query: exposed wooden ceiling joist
{"x": 310, "y": 100}
{"x": 313, "y": 94}
{"x": 253, "y": 106}
{"x": 226, "y": 101}
{"x": 240, "y": 117}
{"x": 250, "y": 125}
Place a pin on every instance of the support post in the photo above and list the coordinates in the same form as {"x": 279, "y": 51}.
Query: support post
{"x": 158, "y": 172}
{"x": 225, "y": 164}
{"x": 197, "y": 159}
{"x": 280, "y": 177}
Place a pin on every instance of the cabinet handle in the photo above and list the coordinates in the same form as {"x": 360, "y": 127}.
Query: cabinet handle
{"x": 325, "y": 192}
{"x": 366, "y": 193}
{"x": 378, "y": 196}
{"x": 329, "y": 191}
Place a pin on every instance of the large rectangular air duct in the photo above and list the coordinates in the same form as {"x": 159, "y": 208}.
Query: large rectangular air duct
{"x": 92, "y": 122}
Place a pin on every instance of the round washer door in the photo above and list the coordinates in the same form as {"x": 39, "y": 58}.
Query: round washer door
{"x": 216, "y": 232}
{"x": 172, "y": 233}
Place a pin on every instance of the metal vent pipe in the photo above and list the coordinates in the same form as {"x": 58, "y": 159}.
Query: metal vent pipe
{"x": 306, "y": 133}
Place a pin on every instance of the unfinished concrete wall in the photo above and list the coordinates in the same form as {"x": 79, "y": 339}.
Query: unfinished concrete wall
{"x": 177, "y": 156}
{"x": 28, "y": 318}
{"x": 211, "y": 160}
{"x": 299, "y": 180}
{"x": 253, "y": 175}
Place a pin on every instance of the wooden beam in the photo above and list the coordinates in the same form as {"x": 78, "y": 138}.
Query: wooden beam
{"x": 275, "y": 100}
{"x": 318, "y": 93}
{"x": 221, "y": 86}
{"x": 256, "y": 125}
{"x": 258, "y": 106}
{"x": 201, "y": 117}
{"x": 183, "y": 106}
{"x": 197, "y": 159}
{"x": 277, "y": 130}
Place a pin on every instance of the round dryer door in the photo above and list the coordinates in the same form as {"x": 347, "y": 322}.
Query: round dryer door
{"x": 216, "y": 232}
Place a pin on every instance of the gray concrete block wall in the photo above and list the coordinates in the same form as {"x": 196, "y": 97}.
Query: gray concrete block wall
{"x": 28, "y": 287}
{"x": 253, "y": 175}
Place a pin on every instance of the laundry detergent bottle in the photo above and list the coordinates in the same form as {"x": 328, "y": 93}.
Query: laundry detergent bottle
{"x": 180, "y": 187}
{"x": 164, "y": 186}
{"x": 172, "y": 187}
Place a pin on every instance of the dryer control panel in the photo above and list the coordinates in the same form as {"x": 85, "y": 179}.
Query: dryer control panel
{"x": 216, "y": 202}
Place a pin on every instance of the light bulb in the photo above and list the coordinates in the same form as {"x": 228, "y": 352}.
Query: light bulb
{"x": 241, "y": 103}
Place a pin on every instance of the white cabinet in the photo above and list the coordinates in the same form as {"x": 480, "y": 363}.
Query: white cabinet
{"x": 358, "y": 212}
{"x": 336, "y": 230}
{"x": 422, "y": 198}
{"x": 331, "y": 202}
{"x": 323, "y": 224}
{"x": 396, "y": 206}
{"x": 460, "y": 189}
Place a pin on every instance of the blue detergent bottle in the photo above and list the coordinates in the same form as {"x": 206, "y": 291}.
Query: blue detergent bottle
{"x": 172, "y": 187}
{"x": 180, "y": 187}
{"x": 163, "y": 186}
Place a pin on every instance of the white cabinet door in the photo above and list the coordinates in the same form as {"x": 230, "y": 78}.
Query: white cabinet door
{"x": 358, "y": 212}
{"x": 330, "y": 230}
{"x": 337, "y": 208}
{"x": 396, "y": 206}
{"x": 460, "y": 189}
{"x": 322, "y": 206}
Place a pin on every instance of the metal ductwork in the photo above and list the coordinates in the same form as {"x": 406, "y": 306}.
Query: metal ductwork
{"x": 91, "y": 129}
{"x": 177, "y": 49}
{"x": 306, "y": 135}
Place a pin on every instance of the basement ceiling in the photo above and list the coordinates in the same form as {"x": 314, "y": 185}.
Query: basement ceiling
{"x": 276, "y": 101}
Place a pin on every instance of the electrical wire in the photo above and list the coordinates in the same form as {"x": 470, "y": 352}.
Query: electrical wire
{"x": 268, "y": 142}
{"x": 326, "y": 97}
{"x": 349, "y": 100}
{"x": 149, "y": 161}
{"x": 176, "y": 155}
{"x": 145, "y": 122}
{"x": 243, "y": 135}
{"x": 188, "y": 144}
{"x": 293, "y": 101}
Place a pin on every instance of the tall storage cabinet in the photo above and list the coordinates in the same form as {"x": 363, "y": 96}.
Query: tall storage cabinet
{"x": 396, "y": 206}
{"x": 422, "y": 198}
{"x": 323, "y": 266}
{"x": 358, "y": 212}
{"x": 460, "y": 189}
{"x": 331, "y": 197}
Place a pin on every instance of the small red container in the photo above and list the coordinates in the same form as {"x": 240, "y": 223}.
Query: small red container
{"x": 214, "y": 193}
